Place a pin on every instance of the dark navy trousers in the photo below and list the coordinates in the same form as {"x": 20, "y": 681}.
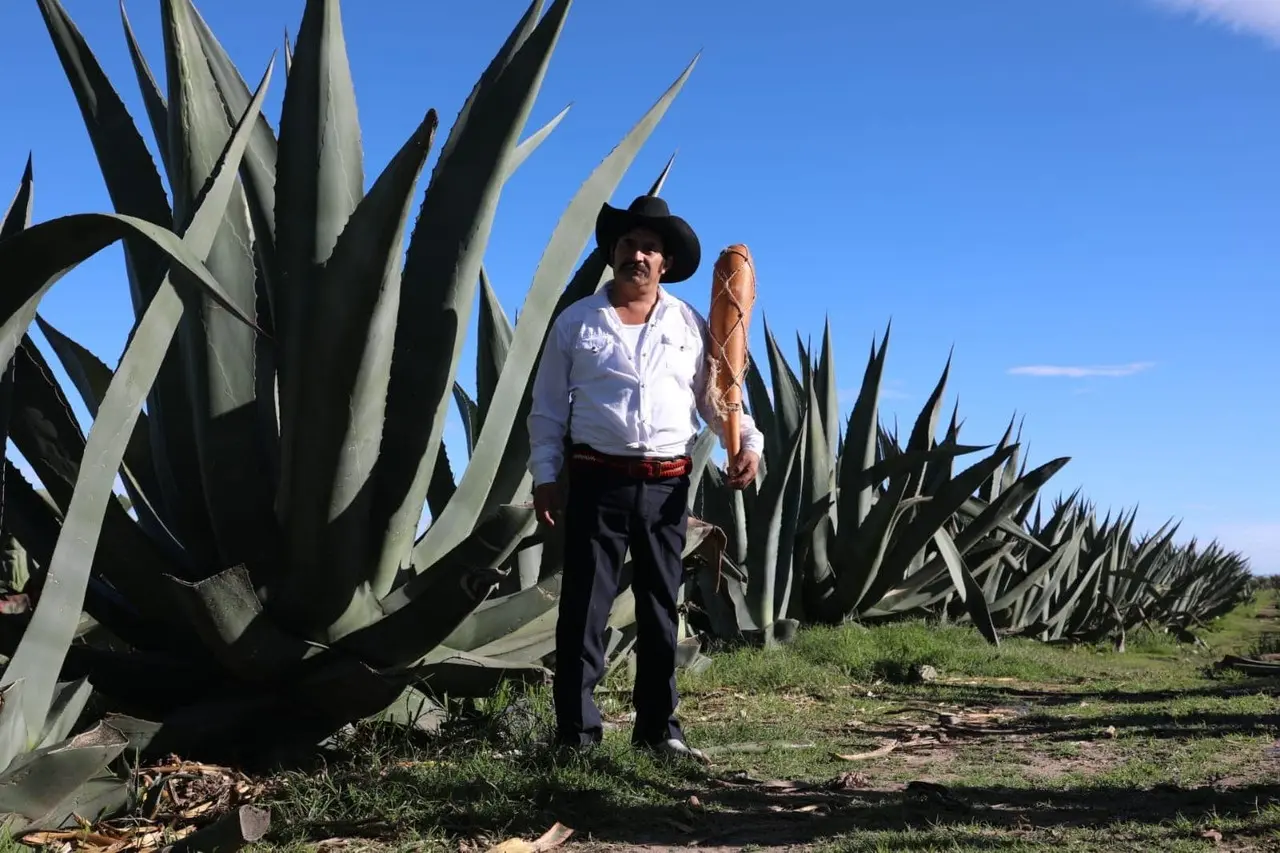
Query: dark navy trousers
{"x": 605, "y": 511}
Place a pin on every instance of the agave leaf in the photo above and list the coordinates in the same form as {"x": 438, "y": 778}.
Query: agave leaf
{"x": 14, "y": 736}
{"x": 15, "y": 562}
{"x": 967, "y": 587}
{"x": 924, "y": 430}
{"x": 36, "y": 523}
{"x": 498, "y": 65}
{"x": 938, "y": 587}
{"x": 136, "y": 191}
{"x": 788, "y": 393}
{"x": 807, "y": 366}
{"x": 929, "y": 519}
{"x": 488, "y": 547}
{"x": 828, "y": 392}
{"x": 442, "y": 269}
{"x": 859, "y": 452}
{"x": 130, "y": 174}
{"x": 495, "y": 333}
{"x": 17, "y": 217}
{"x": 526, "y": 148}
{"x": 1010, "y": 474}
{"x": 329, "y": 458}
{"x": 497, "y": 469}
{"x": 469, "y": 411}
{"x": 535, "y": 647}
{"x": 991, "y": 488}
{"x": 225, "y": 612}
{"x": 152, "y": 98}
{"x": 319, "y": 177}
{"x": 819, "y": 481}
{"x": 64, "y": 712}
{"x": 450, "y": 672}
{"x": 505, "y": 616}
{"x": 233, "y": 371}
{"x": 872, "y": 531}
{"x": 430, "y": 606}
{"x": 1065, "y": 553}
{"x": 769, "y": 551}
{"x": 722, "y": 507}
{"x": 906, "y": 462}
{"x": 328, "y": 692}
{"x": 91, "y": 378}
{"x": 414, "y": 710}
{"x": 762, "y": 412}
{"x": 1060, "y": 611}
{"x": 703, "y": 446}
{"x": 39, "y": 657}
{"x": 45, "y": 431}
{"x": 258, "y": 169}
{"x": 974, "y": 507}
{"x": 443, "y": 484}
{"x": 258, "y": 176}
{"x": 1008, "y": 500}
{"x": 319, "y": 183}
{"x": 38, "y": 782}
{"x": 861, "y": 553}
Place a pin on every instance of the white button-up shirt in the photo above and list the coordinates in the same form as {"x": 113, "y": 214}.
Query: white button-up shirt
{"x": 594, "y": 387}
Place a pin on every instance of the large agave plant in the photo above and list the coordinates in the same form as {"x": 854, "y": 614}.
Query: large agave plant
{"x": 296, "y": 377}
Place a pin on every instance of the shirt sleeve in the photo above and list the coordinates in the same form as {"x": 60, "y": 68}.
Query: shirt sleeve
{"x": 548, "y": 420}
{"x": 749, "y": 435}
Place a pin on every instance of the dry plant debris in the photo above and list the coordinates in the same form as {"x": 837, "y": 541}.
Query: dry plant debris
{"x": 176, "y": 799}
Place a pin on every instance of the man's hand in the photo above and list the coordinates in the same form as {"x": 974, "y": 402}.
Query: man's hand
{"x": 546, "y": 503}
{"x": 742, "y": 470}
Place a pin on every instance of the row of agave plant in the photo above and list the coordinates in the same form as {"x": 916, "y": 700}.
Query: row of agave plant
{"x": 851, "y": 524}
{"x": 277, "y": 422}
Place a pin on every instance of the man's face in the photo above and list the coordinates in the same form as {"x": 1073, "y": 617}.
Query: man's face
{"x": 638, "y": 258}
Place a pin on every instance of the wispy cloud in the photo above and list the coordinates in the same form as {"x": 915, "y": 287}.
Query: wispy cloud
{"x": 1082, "y": 371}
{"x": 1261, "y": 17}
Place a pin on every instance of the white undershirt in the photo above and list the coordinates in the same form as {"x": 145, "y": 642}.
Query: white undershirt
{"x": 631, "y": 337}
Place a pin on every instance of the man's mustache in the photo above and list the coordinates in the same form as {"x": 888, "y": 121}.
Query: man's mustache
{"x": 634, "y": 265}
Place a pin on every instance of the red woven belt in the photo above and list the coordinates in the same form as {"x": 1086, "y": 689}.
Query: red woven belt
{"x": 637, "y": 467}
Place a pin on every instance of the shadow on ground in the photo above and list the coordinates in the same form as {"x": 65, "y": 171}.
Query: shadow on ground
{"x": 610, "y": 798}
{"x": 999, "y": 694}
{"x": 730, "y": 812}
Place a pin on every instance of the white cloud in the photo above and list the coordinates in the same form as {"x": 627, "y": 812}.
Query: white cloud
{"x": 1082, "y": 371}
{"x": 1257, "y": 16}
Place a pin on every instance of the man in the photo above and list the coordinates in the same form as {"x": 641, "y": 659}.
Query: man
{"x": 616, "y": 400}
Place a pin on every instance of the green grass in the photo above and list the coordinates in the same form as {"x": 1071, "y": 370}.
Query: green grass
{"x": 1082, "y": 749}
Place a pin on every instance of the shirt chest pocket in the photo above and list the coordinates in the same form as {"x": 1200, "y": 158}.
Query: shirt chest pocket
{"x": 679, "y": 352}
{"x": 595, "y": 354}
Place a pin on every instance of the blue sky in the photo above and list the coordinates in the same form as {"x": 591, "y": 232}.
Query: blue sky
{"x": 1083, "y": 197}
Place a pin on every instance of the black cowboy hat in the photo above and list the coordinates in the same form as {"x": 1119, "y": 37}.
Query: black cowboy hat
{"x": 679, "y": 242}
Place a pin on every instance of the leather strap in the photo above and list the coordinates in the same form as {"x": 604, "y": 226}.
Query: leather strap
{"x": 635, "y": 467}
